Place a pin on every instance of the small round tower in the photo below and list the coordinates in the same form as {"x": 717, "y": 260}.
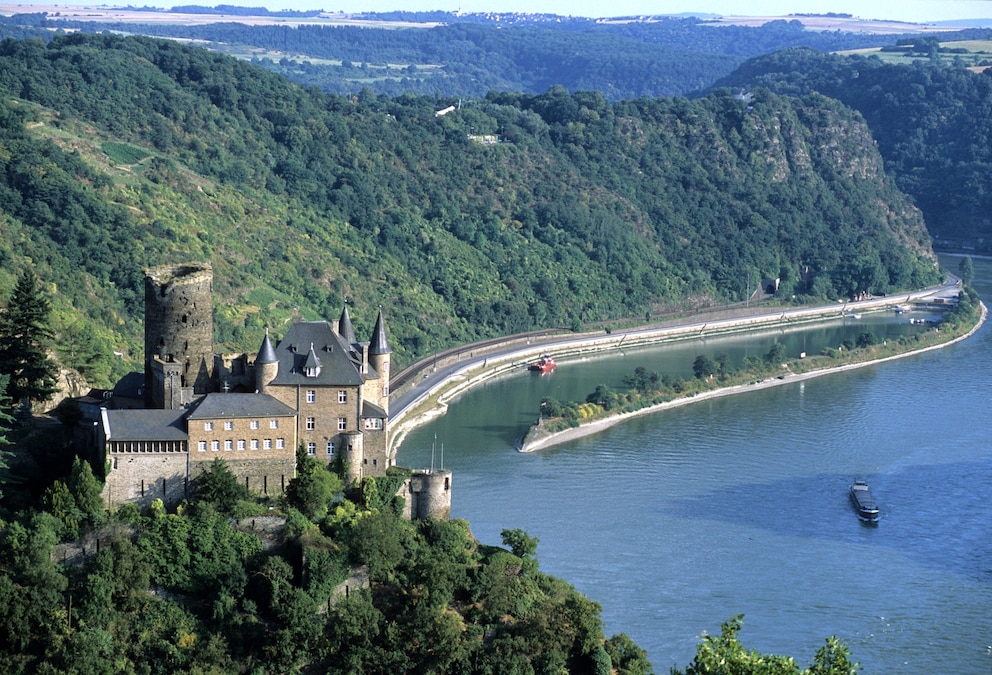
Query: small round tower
{"x": 266, "y": 365}
{"x": 179, "y": 330}
{"x": 352, "y": 453}
{"x": 379, "y": 358}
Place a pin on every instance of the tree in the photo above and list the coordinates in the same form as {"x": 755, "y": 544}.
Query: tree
{"x": 24, "y": 333}
{"x": 776, "y": 354}
{"x": 967, "y": 270}
{"x": 314, "y": 487}
{"x": 719, "y": 655}
{"x": 627, "y": 657}
{"x": 703, "y": 367}
{"x": 521, "y": 544}
{"x": 219, "y": 486}
{"x": 866, "y": 339}
{"x": 87, "y": 491}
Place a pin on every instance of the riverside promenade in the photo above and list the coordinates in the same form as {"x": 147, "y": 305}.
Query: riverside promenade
{"x": 428, "y": 386}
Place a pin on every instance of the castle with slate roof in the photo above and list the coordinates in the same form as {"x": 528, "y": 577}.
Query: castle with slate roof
{"x": 317, "y": 388}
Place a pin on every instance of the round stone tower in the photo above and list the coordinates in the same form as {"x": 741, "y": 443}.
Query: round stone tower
{"x": 266, "y": 365}
{"x": 379, "y": 357}
{"x": 179, "y": 333}
{"x": 435, "y": 496}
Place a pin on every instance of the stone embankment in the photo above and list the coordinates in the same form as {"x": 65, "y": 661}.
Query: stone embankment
{"x": 536, "y": 440}
{"x": 428, "y": 394}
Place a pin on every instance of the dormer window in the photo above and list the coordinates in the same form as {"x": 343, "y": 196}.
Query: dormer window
{"x": 311, "y": 368}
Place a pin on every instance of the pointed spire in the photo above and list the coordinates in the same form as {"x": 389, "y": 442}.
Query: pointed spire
{"x": 266, "y": 354}
{"x": 345, "y": 329}
{"x": 379, "y": 344}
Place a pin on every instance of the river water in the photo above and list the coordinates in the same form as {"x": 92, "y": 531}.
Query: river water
{"x": 676, "y": 521}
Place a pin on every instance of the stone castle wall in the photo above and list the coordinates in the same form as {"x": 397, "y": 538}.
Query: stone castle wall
{"x": 262, "y": 477}
{"x": 140, "y": 478}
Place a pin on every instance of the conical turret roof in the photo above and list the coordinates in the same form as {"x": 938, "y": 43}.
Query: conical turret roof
{"x": 266, "y": 353}
{"x": 345, "y": 329}
{"x": 379, "y": 343}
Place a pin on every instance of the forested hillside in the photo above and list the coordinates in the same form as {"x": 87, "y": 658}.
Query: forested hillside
{"x": 933, "y": 124}
{"x": 509, "y": 213}
{"x": 472, "y": 54}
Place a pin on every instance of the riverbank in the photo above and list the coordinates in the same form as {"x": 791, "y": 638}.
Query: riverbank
{"x": 535, "y": 440}
{"x": 435, "y": 384}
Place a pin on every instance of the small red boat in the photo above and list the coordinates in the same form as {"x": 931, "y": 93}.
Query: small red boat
{"x": 545, "y": 365}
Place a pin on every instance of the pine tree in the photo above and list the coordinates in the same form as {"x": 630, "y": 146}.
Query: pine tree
{"x": 24, "y": 331}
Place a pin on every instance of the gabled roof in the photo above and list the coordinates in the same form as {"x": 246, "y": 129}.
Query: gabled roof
{"x": 145, "y": 425}
{"x": 372, "y": 410}
{"x": 216, "y": 406}
{"x": 338, "y": 366}
{"x": 379, "y": 344}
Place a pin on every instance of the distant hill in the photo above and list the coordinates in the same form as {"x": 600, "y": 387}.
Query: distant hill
{"x": 472, "y": 54}
{"x": 463, "y": 219}
{"x": 932, "y": 119}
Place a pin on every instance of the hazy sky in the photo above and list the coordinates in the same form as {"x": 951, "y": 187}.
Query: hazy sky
{"x": 920, "y": 11}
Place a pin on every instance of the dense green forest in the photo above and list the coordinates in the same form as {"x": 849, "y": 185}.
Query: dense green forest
{"x": 507, "y": 213}
{"x": 224, "y": 586}
{"x": 932, "y": 122}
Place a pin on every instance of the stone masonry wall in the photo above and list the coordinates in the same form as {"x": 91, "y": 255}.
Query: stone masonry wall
{"x": 140, "y": 478}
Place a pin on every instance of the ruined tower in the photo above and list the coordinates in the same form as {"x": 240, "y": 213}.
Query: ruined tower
{"x": 179, "y": 334}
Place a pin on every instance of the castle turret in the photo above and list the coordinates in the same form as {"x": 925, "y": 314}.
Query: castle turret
{"x": 345, "y": 329}
{"x": 266, "y": 365}
{"x": 179, "y": 334}
{"x": 379, "y": 357}
{"x": 427, "y": 495}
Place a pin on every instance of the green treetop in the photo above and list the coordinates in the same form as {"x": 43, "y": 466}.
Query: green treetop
{"x": 24, "y": 332}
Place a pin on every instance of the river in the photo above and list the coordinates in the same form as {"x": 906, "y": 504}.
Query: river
{"x": 679, "y": 520}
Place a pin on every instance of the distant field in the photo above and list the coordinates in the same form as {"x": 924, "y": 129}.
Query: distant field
{"x": 104, "y": 13}
{"x": 974, "y": 54}
{"x": 849, "y": 24}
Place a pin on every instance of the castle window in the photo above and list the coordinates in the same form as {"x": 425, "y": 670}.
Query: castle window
{"x": 311, "y": 395}
{"x": 373, "y": 423}
{"x": 342, "y": 423}
{"x": 254, "y": 444}
{"x": 330, "y": 448}
{"x": 311, "y": 423}
{"x": 267, "y": 444}
{"x": 253, "y": 424}
{"x": 342, "y": 396}
{"x": 229, "y": 444}
{"x": 215, "y": 445}
{"x": 228, "y": 425}
{"x": 273, "y": 424}
{"x": 202, "y": 446}
{"x": 280, "y": 443}
{"x": 241, "y": 444}
{"x": 208, "y": 426}
{"x": 311, "y": 448}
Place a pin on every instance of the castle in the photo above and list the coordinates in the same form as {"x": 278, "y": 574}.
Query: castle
{"x": 317, "y": 388}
